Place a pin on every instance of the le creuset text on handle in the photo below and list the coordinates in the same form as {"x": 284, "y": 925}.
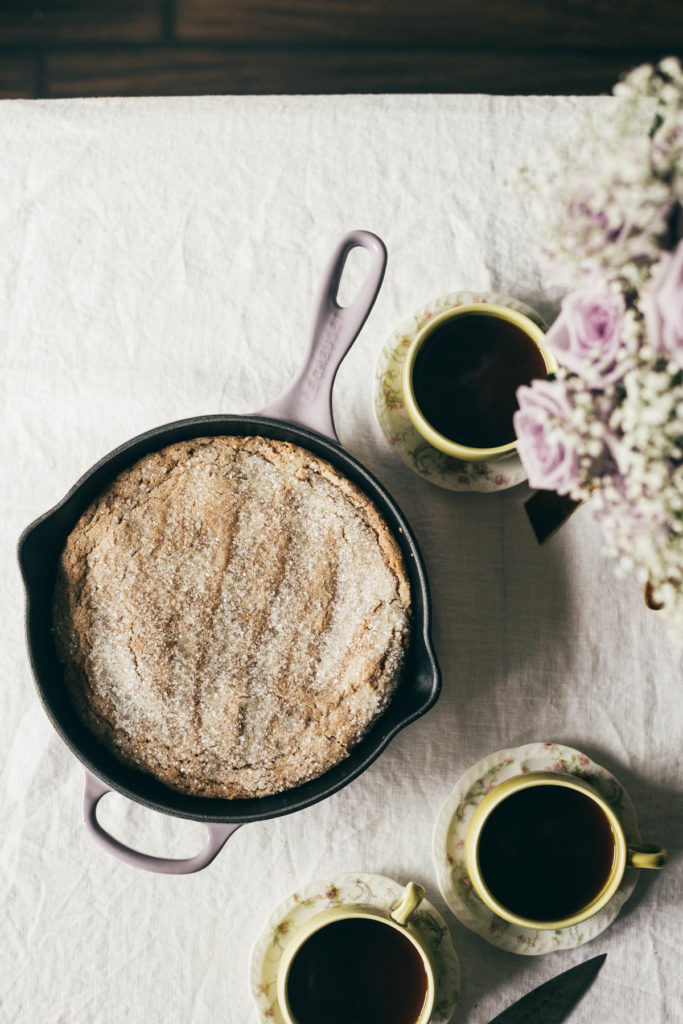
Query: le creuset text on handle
{"x": 308, "y": 399}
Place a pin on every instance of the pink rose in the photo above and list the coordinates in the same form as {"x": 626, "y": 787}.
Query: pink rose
{"x": 551, "y": 463}
{"x": 586, "y": 337}
{"x": 663, "y": 307}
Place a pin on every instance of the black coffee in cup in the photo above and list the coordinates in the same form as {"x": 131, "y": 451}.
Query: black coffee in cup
{"x": 466, "y": 375}
{"x": 357, "y": 971}
{"x": 545, "y": 852}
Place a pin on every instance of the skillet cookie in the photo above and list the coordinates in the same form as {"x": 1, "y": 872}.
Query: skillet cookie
{"x": 232, "y": 615}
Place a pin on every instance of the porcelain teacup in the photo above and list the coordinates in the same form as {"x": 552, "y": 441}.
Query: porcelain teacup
{"x": 306, "y": 985}
{"x": 461, "y": 373}
{"x": 524, "y": 824}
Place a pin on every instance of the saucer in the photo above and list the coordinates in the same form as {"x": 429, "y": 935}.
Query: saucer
{"x": 429, "y": 463}
{"x": 311, "y": 899}
{"x": 449, "y": 842}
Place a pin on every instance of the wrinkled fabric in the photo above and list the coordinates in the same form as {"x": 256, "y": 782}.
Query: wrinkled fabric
{"x": 158, "y": 259}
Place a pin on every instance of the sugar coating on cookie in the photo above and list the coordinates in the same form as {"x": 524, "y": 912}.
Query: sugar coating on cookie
{"x": 232, "y": 615}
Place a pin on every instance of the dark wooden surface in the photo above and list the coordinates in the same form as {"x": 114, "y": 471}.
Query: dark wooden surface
{"x": 165, "y": 47}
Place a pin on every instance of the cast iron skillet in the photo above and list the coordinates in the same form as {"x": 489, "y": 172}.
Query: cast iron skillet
{"x": 302, "y": 415}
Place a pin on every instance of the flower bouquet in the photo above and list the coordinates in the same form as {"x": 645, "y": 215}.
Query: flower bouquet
{"x": 609, "y": 427}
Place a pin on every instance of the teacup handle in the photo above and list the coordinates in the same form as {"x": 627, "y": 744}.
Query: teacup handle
{"x": 646, "y": 855}
{"x": 412, "y": 897}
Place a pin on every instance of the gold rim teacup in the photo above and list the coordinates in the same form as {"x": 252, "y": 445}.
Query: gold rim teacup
{"x": 626, "y": 854}
{"x": 398, "y": 917}
{"x": 421, "y": 424}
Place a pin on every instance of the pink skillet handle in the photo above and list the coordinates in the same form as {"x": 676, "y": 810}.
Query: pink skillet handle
{"x": 308, "y": 399}
{"x": 219, "y": 834}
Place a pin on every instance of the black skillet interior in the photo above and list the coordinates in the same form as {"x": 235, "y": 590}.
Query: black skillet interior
{"x": 39, "y": 550}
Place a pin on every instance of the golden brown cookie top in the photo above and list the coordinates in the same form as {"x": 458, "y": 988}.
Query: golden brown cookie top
{"x": 232, "y": 614}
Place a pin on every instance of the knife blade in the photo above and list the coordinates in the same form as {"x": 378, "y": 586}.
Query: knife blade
{"x": 551, "y": 1002}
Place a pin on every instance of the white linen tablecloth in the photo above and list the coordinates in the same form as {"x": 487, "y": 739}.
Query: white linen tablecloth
{"x": 158, "y": 259}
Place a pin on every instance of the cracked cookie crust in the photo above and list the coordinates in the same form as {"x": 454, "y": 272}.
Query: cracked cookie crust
{"x": 231, "y": 614}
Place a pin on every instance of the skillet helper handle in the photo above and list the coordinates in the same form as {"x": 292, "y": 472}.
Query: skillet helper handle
{"x": 308, "y": 399}
{"x": 219, "y": 834}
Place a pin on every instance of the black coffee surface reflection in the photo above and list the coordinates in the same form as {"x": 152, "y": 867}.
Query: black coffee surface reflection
{"x": 546, "y": 852}
{"x": 357, "y": 971}
{"x": 466, "y": 374}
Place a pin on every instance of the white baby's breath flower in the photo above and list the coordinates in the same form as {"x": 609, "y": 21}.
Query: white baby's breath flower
{"x": 612, "y": 203}
{"x": 671, "y": 67}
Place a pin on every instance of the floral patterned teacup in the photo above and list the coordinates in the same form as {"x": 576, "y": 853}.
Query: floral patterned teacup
{"x": 561, "y": 847}
{"x": 495, "y": 377}
{"x": 410, "y": 941}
